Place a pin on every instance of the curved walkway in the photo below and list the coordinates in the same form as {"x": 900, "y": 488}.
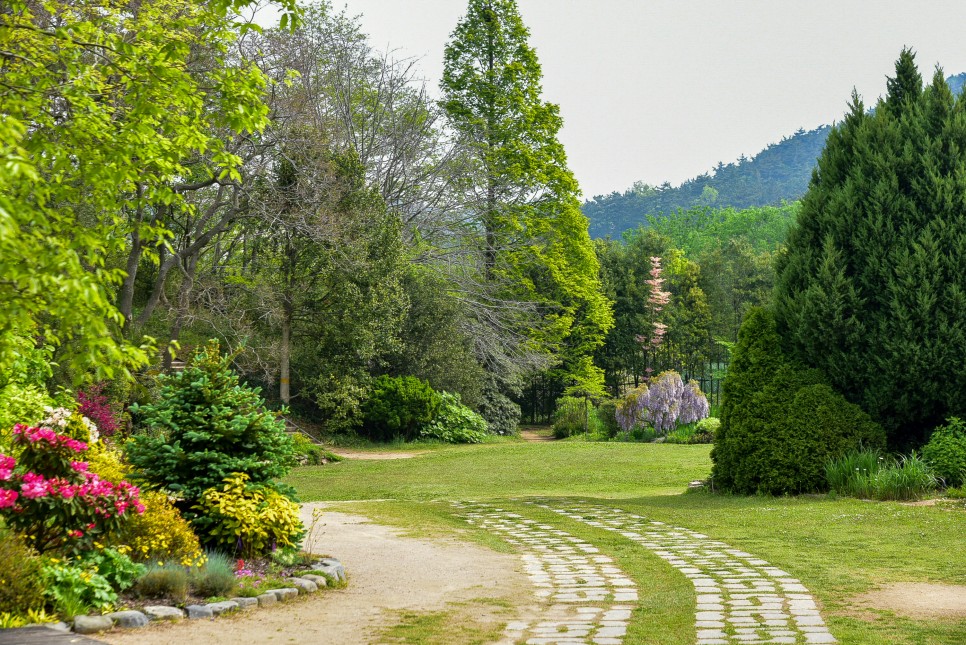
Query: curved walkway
{"x": 740, "y": 598}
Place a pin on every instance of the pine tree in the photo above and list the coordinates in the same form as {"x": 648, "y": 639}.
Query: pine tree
{"x": 534, "y": 243}
{"x": 871, "y": 289}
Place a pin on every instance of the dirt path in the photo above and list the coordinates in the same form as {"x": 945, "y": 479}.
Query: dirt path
{"x": 537, "y": 434}
{"x": 388, "y": 574}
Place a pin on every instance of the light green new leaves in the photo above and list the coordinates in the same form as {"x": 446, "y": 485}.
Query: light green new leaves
{"x": 104, "y": 106}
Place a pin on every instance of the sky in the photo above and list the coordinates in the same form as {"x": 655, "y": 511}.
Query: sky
{"x": 662, "y": 90}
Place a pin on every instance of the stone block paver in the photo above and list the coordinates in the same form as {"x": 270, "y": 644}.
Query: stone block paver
{"x": 740, "y": 598}
{"x": 583, "y": 594}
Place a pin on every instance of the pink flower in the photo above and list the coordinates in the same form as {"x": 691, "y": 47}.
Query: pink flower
{"x": 34, "y": 486}
{"x": 79, "y": 466}
{"x": 8, "y": 498}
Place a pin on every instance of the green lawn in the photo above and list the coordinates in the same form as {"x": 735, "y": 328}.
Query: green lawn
{"x": 837, "y": 547}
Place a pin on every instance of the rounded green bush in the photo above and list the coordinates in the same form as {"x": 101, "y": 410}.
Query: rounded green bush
{"x": 780, "y": 423}
{"x": 399, "y": 407}
{"x": 455, "y": 423}
{"x": 946, "y": 452}
{"x": 570, "y": 417}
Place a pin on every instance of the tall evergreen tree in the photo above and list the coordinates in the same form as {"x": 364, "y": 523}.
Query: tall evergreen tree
{"x": 871, "y": 289}
{"x": 534, "y": 242}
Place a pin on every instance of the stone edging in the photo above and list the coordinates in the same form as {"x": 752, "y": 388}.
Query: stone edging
{"x": 132, "y": 619}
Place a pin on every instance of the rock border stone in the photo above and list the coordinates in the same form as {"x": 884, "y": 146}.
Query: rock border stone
{"x": 133, "y": 619}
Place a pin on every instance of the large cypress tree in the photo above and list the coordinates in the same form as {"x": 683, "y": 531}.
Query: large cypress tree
{"x": 534, "y": 243}
{"x": 872, "y": 288}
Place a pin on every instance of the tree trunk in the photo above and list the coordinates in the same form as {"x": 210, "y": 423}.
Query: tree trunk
{"x": 284, "y": 392}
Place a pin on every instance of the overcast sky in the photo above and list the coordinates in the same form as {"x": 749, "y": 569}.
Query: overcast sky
{"x": 662, "y": 90}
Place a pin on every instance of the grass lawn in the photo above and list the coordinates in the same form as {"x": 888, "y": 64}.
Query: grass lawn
{"x": 839, "y": 548}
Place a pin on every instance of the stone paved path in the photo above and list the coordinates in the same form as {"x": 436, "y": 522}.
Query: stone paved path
{"x": 740, "y": 598}
{"x": 583, "y": 594}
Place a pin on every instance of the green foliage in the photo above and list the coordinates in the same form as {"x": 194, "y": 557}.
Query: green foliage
{"x": 74, "y": 587}
{"x": 21, "y": 581}
{"x": 161, "y": 534}
{"x": 867, "y": 474}
{"x": 698, "y": 230}
{"x": 533, "y": 238}
{"x": 946, "y": 452}
{"x": 780, "y": 424}
{"x": 502, "y": 415}
{"x": 455, "y": 423}
{"x": 115, "y": 567}
{"x": 607, "y": 413}
{"x": 399, "y": 407}
{"x": 570, "y": 417}
{"x": 20, "y": 404}
{"x": 871, "y": 289}
{"x": 137, "y": 109}
{"x": 705, "y": 430}
{"x": 309, "y": 453}
{"x": 205, "y": 427}
{"x": 216, "y": 577}
{"x": 250, "y": 520}
{"x": 166, "y": 581}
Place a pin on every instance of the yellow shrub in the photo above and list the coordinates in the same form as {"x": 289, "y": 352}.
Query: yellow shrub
{"x": 161, "y": 534}
{"x": 257, "y": 518}
{"x": 108, "y": 462}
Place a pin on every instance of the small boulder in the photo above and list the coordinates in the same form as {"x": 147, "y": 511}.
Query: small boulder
{"x": 320, "y": 581}
{"x": 198, "y": 611}
{"x": 332, "y": 567}
{"x": 92, "y": 624}
{"x": 266, "y": 599}
{"x": 163, "y": 612}
{"x": 128, "y": 619}
{"x": 245, "y": 603}
{"x": 224, "y": 607}
{"x": 285, "y": 594}
{"x": 303, "y": 585}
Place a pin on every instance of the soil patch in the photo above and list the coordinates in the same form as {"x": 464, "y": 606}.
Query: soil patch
{"x": 377, "y": 456}
{"x": 917, "y": 600}
{"x": 390, "y": 578}
{"x": 537, "y": 434}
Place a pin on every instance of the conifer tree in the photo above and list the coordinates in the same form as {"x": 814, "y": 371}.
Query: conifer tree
{"x": 534, "y": 243}
{"x": 871, "y": 289}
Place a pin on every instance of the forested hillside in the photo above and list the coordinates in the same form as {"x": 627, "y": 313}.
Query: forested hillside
{"x": 778, "y": 173}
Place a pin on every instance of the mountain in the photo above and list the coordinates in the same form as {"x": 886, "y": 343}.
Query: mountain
{"x": 778, "y": 173}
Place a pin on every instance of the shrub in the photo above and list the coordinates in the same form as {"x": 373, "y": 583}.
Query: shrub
{"x": 20, "y": 404}
{"x": 208, "y": 426}
{"x": 108, "y": 463}
{"x": 399, "y": 407}
{"x": 781, "y": 424}
{"x": 216, "y": 577}
{"x": 161, "y": 534}
{"x": 247, "y": 519}
{"x": 946, "y": 452}
{"x": 116, "y": 567}
{"x": 607, "y": 413}
{"x": 50, "y": 496}
{"x": 164, "y": 581}
{"x": 665, "y": 403}
{"x": 705, "y": 430}
{"x": 455, "y": 423}
{"x": 74, "y": 587}
{"x": 21, "y": 582}
{"x": 308, "y": 453}
{"x": 502, "y": 415}
{"x": 570, "y": 416}
{"x": 93, "y": 404}
{"x": 867, "y": 474}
